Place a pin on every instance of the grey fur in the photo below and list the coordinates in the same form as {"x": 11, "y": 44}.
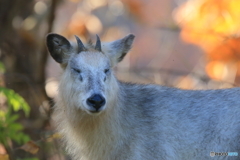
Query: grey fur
{"x": 141, "y": 122}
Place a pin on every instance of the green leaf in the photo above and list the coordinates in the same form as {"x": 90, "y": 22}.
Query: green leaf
{"x": 25, "y": 138}
{"x": 11, "y": 118}
{"x": 14, "y": 127}
{"x": 15, "y": 100}
{"x": 9, "y": 128}
{"x": 2, "y": 68}
{"x": 2, "y": 115}
{"x": 16, "y": 138}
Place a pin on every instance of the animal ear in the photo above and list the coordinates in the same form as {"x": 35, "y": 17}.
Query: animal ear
{"x": 59, "y": 47}
{"x": 117, "y": 50}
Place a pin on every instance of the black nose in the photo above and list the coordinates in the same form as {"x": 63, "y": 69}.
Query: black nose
{"x": 96, "y": 101}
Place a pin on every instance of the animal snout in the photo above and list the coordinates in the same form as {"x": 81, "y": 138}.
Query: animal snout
{"x": 96, "y": 101}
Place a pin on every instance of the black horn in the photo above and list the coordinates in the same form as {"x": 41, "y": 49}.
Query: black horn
{"x": 80, "y": 45}
{"x": 98, "y": 44}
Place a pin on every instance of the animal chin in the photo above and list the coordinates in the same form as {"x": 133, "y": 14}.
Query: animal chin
{"x": 92, "y": 111}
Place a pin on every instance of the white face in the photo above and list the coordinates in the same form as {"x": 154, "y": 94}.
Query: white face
{"x": 88, "y": 82}
{"x": 90, "y": 75}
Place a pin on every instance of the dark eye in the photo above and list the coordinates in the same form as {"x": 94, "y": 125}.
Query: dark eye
{"x": 76, "y": 70}
{"x": 106, "y": 70}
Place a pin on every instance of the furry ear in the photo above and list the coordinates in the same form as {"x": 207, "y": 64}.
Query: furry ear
{"x": 59, "y": 47}
{"x": 117, "y": 50}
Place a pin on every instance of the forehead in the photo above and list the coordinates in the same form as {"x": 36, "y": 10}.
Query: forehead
{"x": 90, "y": 59}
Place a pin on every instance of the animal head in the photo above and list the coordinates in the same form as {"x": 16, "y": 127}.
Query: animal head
{"x": 88, "y": 82}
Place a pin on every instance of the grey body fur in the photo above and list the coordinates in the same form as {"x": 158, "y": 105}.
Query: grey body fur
{"x": 139, "y": 122}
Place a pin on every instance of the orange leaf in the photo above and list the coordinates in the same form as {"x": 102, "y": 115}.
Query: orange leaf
{"x": 208, "y": 22}
{"x": 54, "y": 136}
{"x": 227, "y": 51}
{"x": 30, "y": 147}
{"x": 4, "y": 157}
{"x": 216, "y": 70}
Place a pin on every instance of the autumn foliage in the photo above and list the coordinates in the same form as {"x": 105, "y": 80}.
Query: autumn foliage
{"x": 214, "y": 25}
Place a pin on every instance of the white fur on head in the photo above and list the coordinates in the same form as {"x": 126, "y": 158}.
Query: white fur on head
{"x": 88, "y": 70}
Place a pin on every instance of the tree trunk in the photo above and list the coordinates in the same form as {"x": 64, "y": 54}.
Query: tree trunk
{"x": 23, "y": 52}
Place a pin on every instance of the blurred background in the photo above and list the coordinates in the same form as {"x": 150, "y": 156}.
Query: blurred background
{"x": 189, "y": 44}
